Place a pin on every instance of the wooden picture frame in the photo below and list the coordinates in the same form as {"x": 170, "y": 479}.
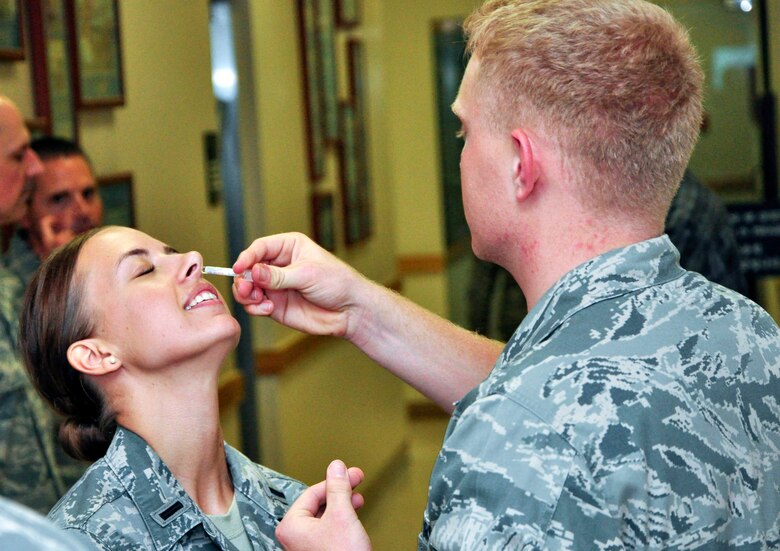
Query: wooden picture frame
{"x": 51, "y": 68}
{"x": 357, "y": 89}
{"x": 350, "y": 177}
{"x": 96, "y": 53}
{"x": 326, "y": 33}
{"x": 116, "y": 191}
{"x": 11, "y": 30}
{"x": 308, "y": 17}
{"x": 347, "y": 13}
{"x": 323, "y": 220}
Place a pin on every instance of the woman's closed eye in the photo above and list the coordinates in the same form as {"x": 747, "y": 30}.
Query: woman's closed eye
{"x": 146, "y": 270}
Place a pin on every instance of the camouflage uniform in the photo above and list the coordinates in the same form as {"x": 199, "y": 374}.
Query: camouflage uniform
{"x": 33, "y": 468}
{"x": 20, "y": 259}
{"x": 130, "y": 500}
{"x": 23, "y": 530}
{"x": 636, "y": 406}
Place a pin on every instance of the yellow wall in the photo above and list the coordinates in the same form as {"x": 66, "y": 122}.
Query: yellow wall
{"x": 318, "y": 408}
{"x": 414, "y": 169}
{"x": 412, "y": 131}
{"x": 157, "y": 133}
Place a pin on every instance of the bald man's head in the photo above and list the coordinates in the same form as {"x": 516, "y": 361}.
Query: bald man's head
{"x": 18, "y": 163}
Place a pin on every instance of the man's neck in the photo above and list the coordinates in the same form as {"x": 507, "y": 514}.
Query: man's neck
{"x": 568, "y": 242}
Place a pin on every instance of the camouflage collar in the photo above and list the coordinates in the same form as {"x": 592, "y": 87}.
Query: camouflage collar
{"x": 255, "y": 488}
{"x": 168, "y": 512}
{"x": 606, "y": 276}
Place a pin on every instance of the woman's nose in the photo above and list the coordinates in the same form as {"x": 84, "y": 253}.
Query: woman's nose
{"x": 192, "y": 263}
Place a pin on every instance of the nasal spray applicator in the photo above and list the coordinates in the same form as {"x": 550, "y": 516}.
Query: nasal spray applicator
{"x": 216, "y": 270}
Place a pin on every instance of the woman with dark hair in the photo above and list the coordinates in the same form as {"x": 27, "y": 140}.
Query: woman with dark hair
{"x": 125, "y": 339}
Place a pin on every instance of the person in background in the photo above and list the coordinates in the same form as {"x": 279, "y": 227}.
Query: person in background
{"x": 123, "y": 338}
{"x": 27, "y": 454}
{"x": 18, "y": 162}
{"x": 20, "y": 527}
{"x": 699, "y": 226}
{"x": 496, "y": 304}
{"x": 63, "y": 202}
{"x": 635, "y": 406}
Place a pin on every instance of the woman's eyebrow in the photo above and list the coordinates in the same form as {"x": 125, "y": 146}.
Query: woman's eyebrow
{"x": 142, "y": 252}
{"x": 130, "y": 254}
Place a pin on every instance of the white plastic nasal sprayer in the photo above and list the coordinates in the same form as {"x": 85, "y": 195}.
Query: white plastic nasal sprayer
{"x": 216, "y": 270}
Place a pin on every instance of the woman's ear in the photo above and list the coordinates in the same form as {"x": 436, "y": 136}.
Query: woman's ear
{"x": 526, "y": 168}
{"x": 90, "y": 356}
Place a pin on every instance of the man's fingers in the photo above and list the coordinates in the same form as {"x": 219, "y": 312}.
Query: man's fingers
{"x": 356, "y": 476}
{"x": 357, "y": 500}
{"x": 309, "y": 502}
{"x": 266, "y": 276}
{"x": 339, "y": 487}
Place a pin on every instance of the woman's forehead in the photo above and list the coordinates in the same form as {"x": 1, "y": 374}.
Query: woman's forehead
{"x": 108, "y": 245}
{"x": 118, "y": 238}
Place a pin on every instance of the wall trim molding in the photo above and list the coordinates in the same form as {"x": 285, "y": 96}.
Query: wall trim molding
{"x": 273, "y": 361}
{"x": 276, "y": 360}
{"x": 421, "y": 264}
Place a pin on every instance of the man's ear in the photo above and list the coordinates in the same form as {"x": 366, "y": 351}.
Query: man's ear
{"x": 526, "y": 167}
{"x": 91, "y": 356}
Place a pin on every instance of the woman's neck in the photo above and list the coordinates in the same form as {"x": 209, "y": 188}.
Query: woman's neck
{"x": 177, "y": 413}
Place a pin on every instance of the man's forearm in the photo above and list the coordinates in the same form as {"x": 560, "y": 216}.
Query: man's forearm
{"x": 440, "y": 359}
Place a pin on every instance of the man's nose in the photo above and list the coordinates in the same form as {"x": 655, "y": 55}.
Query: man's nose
{"x": 79, "y": 204}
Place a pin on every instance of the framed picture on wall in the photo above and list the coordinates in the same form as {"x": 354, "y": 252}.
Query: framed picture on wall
{"x": 116, "y": 190}
{"x": 347, "y": 13}
{"x": 328, "y": 73}
{"x": 357, "y": 85}
{"x": 51, "y": 67}
{"x": 323, "y": 220}
{"x": 350, "y": 175}
{"x": 308, "y": 17}
{"x": 11, "y": 35}
{"x": 96, "y": 53}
